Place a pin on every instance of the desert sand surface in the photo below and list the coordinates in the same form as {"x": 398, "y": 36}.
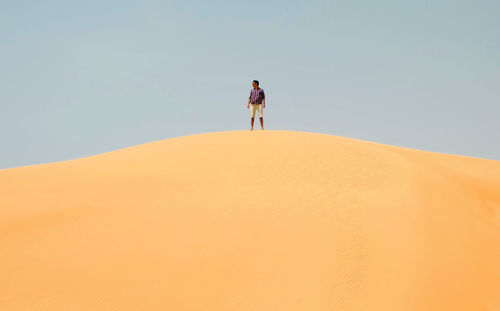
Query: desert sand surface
{"x": 252, "y": 221}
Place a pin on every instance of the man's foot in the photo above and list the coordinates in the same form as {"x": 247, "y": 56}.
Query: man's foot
{"x": 262, "y": 128}
{"x": 251, "y": 129}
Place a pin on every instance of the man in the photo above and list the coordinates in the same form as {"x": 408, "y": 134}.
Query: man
{"x": 258, "y": 100}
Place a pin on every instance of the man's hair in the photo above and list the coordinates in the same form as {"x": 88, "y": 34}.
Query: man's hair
{"x": 256, "y": 82}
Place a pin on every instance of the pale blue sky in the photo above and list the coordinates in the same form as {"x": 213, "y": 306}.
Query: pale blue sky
{"x": 79, "y": 78}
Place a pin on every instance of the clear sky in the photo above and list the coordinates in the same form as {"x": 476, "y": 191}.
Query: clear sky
{"x": 79, "y": 78}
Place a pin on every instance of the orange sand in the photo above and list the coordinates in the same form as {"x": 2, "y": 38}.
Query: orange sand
{"x": 252, "y": 221}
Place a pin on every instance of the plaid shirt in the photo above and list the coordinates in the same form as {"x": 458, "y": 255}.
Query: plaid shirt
{"x": 256, "y": 96}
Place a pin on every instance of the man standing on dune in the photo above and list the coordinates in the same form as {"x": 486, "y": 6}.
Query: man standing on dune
{"x": 258, "y": 100}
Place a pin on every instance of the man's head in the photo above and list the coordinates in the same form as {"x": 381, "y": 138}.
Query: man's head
{"x": 255, "y": 83}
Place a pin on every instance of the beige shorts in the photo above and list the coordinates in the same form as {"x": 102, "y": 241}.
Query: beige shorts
{"x": 256, "y": 107}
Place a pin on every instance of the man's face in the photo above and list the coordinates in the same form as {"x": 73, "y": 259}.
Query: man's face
{"x": 254, "y": 84}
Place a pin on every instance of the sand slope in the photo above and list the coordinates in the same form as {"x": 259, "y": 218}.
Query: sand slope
{"x": 252, "y": 220}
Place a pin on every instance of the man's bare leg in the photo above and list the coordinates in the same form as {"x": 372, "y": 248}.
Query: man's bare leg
{"x": 262, "y": 122}
{"x": 251, "y": 128}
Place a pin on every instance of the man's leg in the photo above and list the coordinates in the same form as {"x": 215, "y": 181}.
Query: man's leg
{"x": 252, "y": 115}
{"x": 261, "y": 115}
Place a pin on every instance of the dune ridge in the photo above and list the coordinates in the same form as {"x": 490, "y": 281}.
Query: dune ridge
{"x": 252, "y": 220}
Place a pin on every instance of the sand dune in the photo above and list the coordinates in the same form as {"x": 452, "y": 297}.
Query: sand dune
{"x": 252, "y": 220}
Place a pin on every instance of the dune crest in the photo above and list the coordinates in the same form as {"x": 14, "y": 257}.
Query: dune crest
{"x": 252, "y": 220}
